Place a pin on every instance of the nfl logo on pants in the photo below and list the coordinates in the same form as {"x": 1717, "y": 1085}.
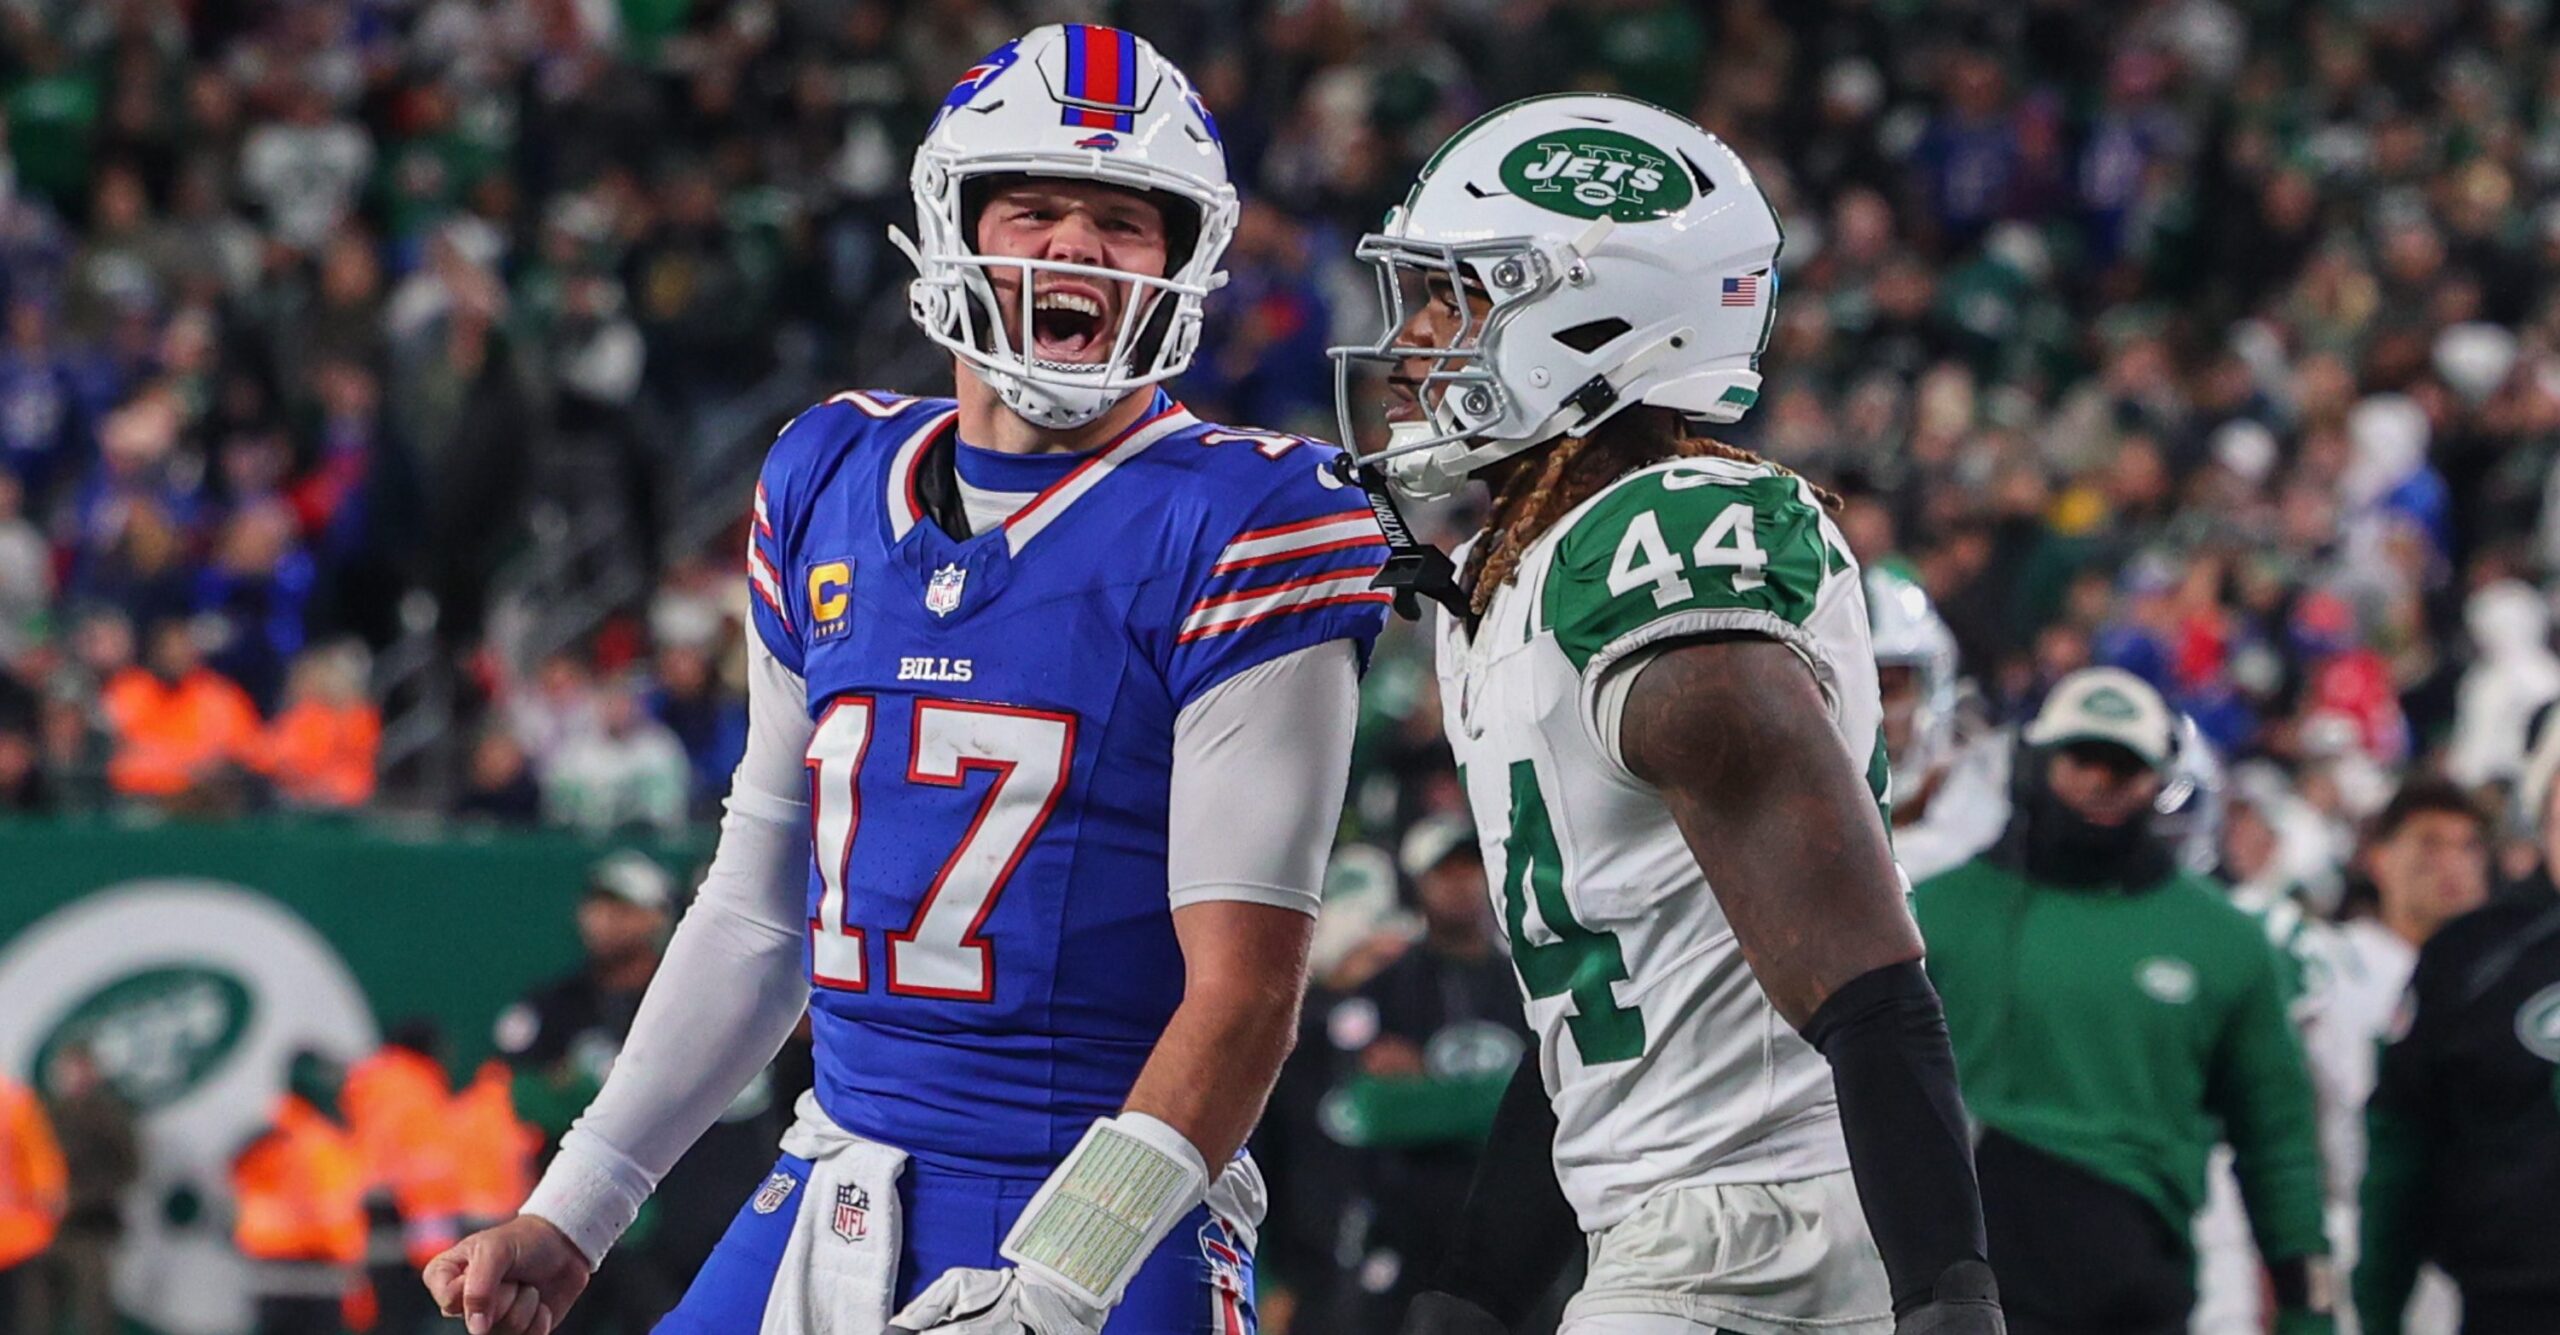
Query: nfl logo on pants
{"x": 853, "y": 1212}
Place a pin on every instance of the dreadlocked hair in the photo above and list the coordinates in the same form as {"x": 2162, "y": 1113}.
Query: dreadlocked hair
{"x": 1573, "y": 470}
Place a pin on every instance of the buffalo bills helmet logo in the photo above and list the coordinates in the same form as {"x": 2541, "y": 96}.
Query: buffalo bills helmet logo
{"x": 1100, "y": 143}
{"x": 976, "y": 77}
{"x": 1207, "y": 121}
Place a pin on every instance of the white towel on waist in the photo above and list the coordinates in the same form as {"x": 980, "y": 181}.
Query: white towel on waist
{"x": 839, "y": 1272}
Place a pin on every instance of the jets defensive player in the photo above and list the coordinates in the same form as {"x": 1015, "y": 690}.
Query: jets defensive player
{"x": 1951, "y": 771}
{"x": 1950, "y": 790}
{"x": 1657, "y": 683}
{"x": 1006, "y": 826}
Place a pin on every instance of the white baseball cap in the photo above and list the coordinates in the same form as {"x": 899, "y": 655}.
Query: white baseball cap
{"x": 1432, "y": 841}
{"x": 2107, "y": 705}
{"x": 635, "y": 879}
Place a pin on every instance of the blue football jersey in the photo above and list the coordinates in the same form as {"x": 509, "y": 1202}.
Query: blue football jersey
{"x": 992, "y": 955}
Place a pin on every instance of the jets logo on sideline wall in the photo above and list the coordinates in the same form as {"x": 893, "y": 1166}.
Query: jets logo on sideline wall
{"x": 157, "y": 1033}
{"x": 1589, "y": 173}
{"x": 193, "y": 995}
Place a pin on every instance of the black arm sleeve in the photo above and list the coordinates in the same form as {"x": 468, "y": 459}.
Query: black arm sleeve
{"x": 1517, "y": 1232}
{"x": 1885, "y": 1035}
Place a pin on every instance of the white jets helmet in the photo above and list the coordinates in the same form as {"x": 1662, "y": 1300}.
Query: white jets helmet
{"x": 1083, "y": 102}
{"x": 1628, "y": 256}
{"x": 2194, "y": 801}
{"x": 1907, "y": 632}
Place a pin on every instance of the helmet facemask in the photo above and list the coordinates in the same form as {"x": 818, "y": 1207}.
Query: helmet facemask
{"x": 1468, "y": 417}
{"x": 1625, "y": 256}
{"x": 1922, "y": 702}
{"x": 955, "y": 297}
{"x": 1916, "y": 675}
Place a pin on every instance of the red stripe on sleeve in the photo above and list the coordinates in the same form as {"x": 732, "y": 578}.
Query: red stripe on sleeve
{"x": 1235, "y": 563}
{"x": 1301, "y": 526}
{"x": 1231, "y": 627}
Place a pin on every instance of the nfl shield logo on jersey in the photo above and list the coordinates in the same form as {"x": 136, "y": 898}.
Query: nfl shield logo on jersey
{"x": 942, "y": 592}
{"x": 853, "y": 1213}
{"x": 774, "y": 1192}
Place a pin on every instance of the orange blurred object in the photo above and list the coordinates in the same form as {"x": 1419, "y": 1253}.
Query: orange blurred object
{"x": 396, "y": 1102}
{"x": 300, "y": 1190}
{"x": 321, "y": 754}
{"x": 34, "y": 1184}
{"x": 495, "y": 1148}
{"x": 170, "y": 736}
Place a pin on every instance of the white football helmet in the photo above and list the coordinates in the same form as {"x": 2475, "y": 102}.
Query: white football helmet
{"x": 2194, "y": 801}
{"x": 1085, "y": 102}
{"x": 1628, "y": 256}
{"x": 1907, "y": 632}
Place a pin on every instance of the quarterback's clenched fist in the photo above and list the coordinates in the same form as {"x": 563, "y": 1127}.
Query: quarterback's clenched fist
{"x": 515, "y": 1279}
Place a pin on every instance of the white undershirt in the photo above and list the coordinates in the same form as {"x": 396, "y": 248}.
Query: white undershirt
{"x": 1260, "y": 765}
{"x": 987, "y": 510}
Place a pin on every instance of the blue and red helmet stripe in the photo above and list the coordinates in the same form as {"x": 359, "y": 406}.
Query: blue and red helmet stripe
{"x": 1102, "y": 72}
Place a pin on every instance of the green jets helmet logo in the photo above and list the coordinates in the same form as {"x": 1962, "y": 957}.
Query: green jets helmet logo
{"x": 157, "y": 1033}
{"x": 1592, "y": 173}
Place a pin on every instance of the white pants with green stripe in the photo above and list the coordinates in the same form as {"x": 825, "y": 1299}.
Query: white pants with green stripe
{"x": 1782, "y": 1258}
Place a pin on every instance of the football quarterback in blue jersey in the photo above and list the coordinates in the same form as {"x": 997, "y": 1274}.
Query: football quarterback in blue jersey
{"x": 1052, "y": 688}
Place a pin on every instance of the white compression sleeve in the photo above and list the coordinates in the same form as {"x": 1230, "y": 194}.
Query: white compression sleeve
{"x": 1260, "y": 765}
{"x": 725, "y": 997}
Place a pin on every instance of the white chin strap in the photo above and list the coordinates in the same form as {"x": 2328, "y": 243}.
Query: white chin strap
{"x": 1425, "y": 474}
{"x": 1046, "y": 402}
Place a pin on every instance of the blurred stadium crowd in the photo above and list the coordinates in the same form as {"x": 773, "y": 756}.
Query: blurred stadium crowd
{"x": 2213, "y": 339}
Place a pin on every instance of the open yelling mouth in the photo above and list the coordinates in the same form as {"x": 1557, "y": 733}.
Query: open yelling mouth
{"x": 1068, "y": 323}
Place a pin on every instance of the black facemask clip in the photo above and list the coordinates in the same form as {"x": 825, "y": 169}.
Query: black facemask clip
{"x": 1415, "y": 570}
